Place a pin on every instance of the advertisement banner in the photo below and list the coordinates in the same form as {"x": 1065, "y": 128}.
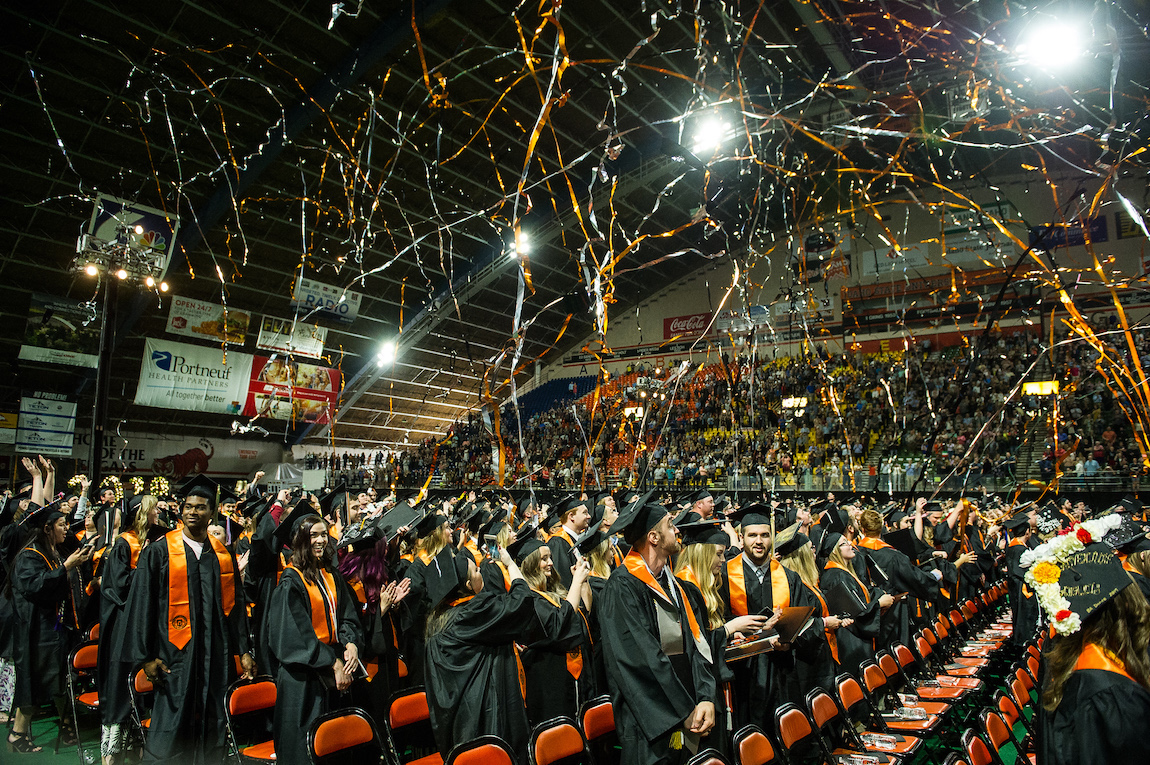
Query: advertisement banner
{"x": 197, "y": 379}
{"x": 176, "y": 457}
{"x": 290, "y": 391}
{"x": 686, "y": 326}
{"x": 318, "y": 300}
{"x": 118, "y": 220}
{"x": 207, "y": 321}
{"x": 56, "y": 333}
{"x": 279, "y": 336}
{"x": 47, "y": 424}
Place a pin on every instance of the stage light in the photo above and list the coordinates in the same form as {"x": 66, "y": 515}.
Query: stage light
{"x": 91, "y": 270}
{"x": 520, "y": 245}
{"x": 122, "y": 274}
{"x": 1053, "y": 44}
{"x": 150, "y": 282}
{"x": 710, "y": 134}
{"x": 163, "y": 286}
{"x": 139, "y": 229}
{"x": 386, "y": 354}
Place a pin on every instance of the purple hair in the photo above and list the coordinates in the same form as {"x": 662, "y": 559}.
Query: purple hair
{"x": 369, "y": 568}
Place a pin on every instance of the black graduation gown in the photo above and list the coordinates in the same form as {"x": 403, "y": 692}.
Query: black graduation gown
{"x": 1023, "y": 602}
{"x": 896, "y": 574}
{"x": 413, "y": 627}
{"x": 112, "y": 671}
{"x": 652, "y": 694}
{"x": 11, "y": 537}
{"x": 765, "y": 681}
{"x": 187, "y": 713}
{"x": 720, "y": 736}
{"x": 815, "y": 665}
{"x": 1100, "y": 721}
{"x": 43, "y": 597}
{"x": 265, "y": 562}
{"x": 551, "y": 689}
{"x": 856, "y": 642}
{"x": 472, "y": 671}
{"x": 562, "y": 557}
{"x": 598, "y": 659}
{"x": 302, "y": 665}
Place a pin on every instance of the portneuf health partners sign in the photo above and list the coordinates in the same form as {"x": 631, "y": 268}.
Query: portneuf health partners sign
{"x": 190, "y": 377}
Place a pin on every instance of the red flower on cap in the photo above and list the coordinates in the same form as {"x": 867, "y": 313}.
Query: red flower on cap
{"x": 1062, "y": 615}
{"x": 1065, "y": 531}
{"x": 1084, "y": 536}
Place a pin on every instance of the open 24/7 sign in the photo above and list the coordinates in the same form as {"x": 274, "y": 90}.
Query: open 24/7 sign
{"x": 317, "y": 300}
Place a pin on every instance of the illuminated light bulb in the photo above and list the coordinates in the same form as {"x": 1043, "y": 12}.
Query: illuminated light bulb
{"x": 150, "y": 282}
{"x": 121, "y": 274}
{"x": 91, "y": 270}
{"x": 139, "y": 229}
{"x": 386, "y": 353}
{"x": 1053, "y": 44}
{"x": 710, "y": 134}
{"x": 163, "y": 286}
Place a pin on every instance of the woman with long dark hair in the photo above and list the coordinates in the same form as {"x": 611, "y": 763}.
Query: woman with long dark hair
{"x": 46, "y": 597}
{"x": 1096, "y": 676}
{"x": 115, "y": 582}
{"x": 856, "y": 640}
{"x": 313, "y": 635}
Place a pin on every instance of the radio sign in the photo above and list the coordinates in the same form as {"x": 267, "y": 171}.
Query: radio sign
{"x": 686, "y": 326}
{"x": 318, "y": 300}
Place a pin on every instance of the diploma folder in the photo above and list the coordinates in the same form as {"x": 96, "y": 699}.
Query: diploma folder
{"x": 842, "y": 602}
{"x": 792, "y": 622}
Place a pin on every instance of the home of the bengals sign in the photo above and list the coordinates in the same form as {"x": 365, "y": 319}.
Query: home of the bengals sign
{"x": 685, "y": 326}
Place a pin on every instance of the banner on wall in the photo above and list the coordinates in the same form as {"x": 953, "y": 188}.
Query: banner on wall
{"x": 316, "y": 299}
{"x": 191, "y": 377}
{"x": 286, "y": 391}
{"x": 47, "y": 424}
{"x": 297, "y": 338}
{"x": 118, "y": 220}
{"x": 57, "y": 333}
{"x": 692, "y": 325}
{"x": 176, "y": 457}
{"x": 207, "y": 321}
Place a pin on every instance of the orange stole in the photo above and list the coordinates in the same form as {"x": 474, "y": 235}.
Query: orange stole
{"x": 133, "y": 544}
{"x": 638, "y": 568}
{"x": 853, "y": 575}
{"x": 1026, "y": 593}
{"x": 52, "y": 567}
{"x": 832, "y": 638}
{"x": 574, "y": 658}
{"x": 323, "y": 605}
{"x": 1095, "y": 657}
{"x": 179, "y": 609}
{"x": 688, "y": 575}
{"x": 737, "y": 584}
{"x": 873, "y": 543}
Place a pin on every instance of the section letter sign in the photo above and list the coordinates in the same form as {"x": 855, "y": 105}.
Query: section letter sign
{"x": 47, "y": 425}
{"x": 315, "y": 300}
{"x": 290, "y": 391}
{"x": 207, "y": 321}
{"x": 191, "y": 377}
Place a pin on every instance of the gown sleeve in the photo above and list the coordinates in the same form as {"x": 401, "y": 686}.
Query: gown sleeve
{"x": 117, "y": 574}
{"x": 37, "y": 583}
{"x": 291, "y": 638}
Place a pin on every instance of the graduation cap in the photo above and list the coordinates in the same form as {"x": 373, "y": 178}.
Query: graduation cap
{"x": 489, "y": 528}
{"x": 1087, "y": 579}
{"x": 446, "y": 575}
{"x": 1131, "y": 503}
{"x": 721, "y": 504}
{"x": 526, "y": 503}
{"x": 704, "y": 533}
{"x": 698, "y": 496}
{"x": 202, "y": 486}
{"x": 1128, "y": 538}
{"x": 687, "y": 517}
{"x": 38, "y": 518}
{"x": 932, "y": 507}
{"x": 835, "y": 522}
{"x": 587, "y": 544}
{"x": 1050, "y": 520}
{"x": 335, "y": 501}
{"x": 474, "y": 518}
{"x": 904, "y": 541}
{"x": 790, "y": 540}
{"x": 431, "y": 521}
{"x": 756, "y": 514}
{"x": 1016, "y": 524}
{"x": 528, "y": 528}
{"x": 520, "y": 549}
{"x": 232, "y": 529}
{"x": 829, "y": 542}
{"x": 286, "y": 529}
{"x": 637, "y": 519}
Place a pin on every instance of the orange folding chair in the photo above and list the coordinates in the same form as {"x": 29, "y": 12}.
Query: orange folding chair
{"x": 484, "y": 750}
{"x": 708, "y": 757}
{"x": 752, "y": 747}
{"x": 557, "y": 739}
{"x": 408, "y": 728}
{"x": 248, "y": 713}
{"x": 597, "y": 719}
{"x": 141, "y": 691}
{"x": 840, "y": 739}
{"x": 344, "y": 737}
{"x": 81, "y": 675}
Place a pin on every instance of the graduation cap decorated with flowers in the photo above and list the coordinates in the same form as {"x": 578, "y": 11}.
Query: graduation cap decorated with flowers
{"x": 1074, "y": 574}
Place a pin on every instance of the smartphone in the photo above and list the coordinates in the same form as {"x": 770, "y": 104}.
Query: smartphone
{"x": 492, "y": 543}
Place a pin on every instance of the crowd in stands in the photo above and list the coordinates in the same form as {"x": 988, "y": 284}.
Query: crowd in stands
{"x": 808, "y": 421}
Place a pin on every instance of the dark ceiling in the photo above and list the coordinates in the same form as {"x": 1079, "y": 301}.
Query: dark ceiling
{"x": 395, "y": 149}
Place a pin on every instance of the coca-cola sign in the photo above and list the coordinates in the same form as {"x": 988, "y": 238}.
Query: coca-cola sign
{"x": 685, "y": 326}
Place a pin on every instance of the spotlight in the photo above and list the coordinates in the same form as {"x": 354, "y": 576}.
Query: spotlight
{"x": 150, "y": 282}
{"x": 521, "y": 245}
{"x": 386, "y": 354}
{"x": 121, "y": 274}
{"x": 91, "y": 270}
{"x": 1053, "y": 44}
{"x": 163, "y": 286}
{"x": 710, "y": 134}
{"x": 139, "y": 229}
